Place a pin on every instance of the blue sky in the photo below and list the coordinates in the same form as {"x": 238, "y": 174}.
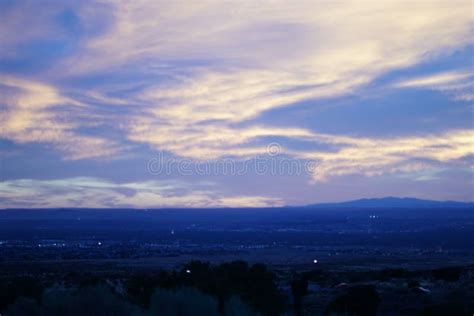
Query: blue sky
{"x": 149, "y": 103}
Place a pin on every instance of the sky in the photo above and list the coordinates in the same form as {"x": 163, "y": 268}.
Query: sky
{"x": 149, "y": 104}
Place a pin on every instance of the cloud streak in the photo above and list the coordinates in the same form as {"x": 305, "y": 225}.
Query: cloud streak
{"x": 35, "y": 112}
{"x": 371, "y": 156}
{"x": 459, "y": 84}
{"x": 96, "y": 193}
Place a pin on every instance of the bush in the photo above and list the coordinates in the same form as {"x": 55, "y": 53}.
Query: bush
{"x": 450, "y": 274}
{"x": 25, "y": 287}
{"x": 182, "y": 302}
{"x": 235, "y": 307}
{"x": 24, "y": 307}
{"x": 91, "y": 301}
{"x": 255, "y": 284}
{"x": 359, "y": 300}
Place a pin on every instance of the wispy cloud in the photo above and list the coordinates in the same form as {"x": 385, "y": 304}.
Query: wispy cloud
{"x": 376, "y": 156}
{"x": 224, "y": 64}
{"x": 35, "y": 112}
{"x": 344, "y": 155}
{"x": 282, "y": 58}
{"x": 459, "y": 84}
{"x": 93, "y": 192}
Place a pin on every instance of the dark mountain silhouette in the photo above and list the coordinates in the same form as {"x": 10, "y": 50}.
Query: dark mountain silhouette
{"x": 394, "y": 202}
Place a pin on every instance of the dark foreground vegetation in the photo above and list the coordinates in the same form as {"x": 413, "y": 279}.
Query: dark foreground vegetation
{"x": 237, "y": 288}
{"x": 297, "y": 261}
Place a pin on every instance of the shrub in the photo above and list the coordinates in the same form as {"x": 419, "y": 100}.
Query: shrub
{"x": 182, "y": 302}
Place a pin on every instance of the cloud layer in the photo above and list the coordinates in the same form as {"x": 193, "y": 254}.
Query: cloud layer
{"x": 96, "y": 193}
{"x": 204, "y": 80}
{"x": 35, "y": 112}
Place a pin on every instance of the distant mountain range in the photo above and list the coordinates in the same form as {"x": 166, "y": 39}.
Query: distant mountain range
{"x": 394, "y": 202}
